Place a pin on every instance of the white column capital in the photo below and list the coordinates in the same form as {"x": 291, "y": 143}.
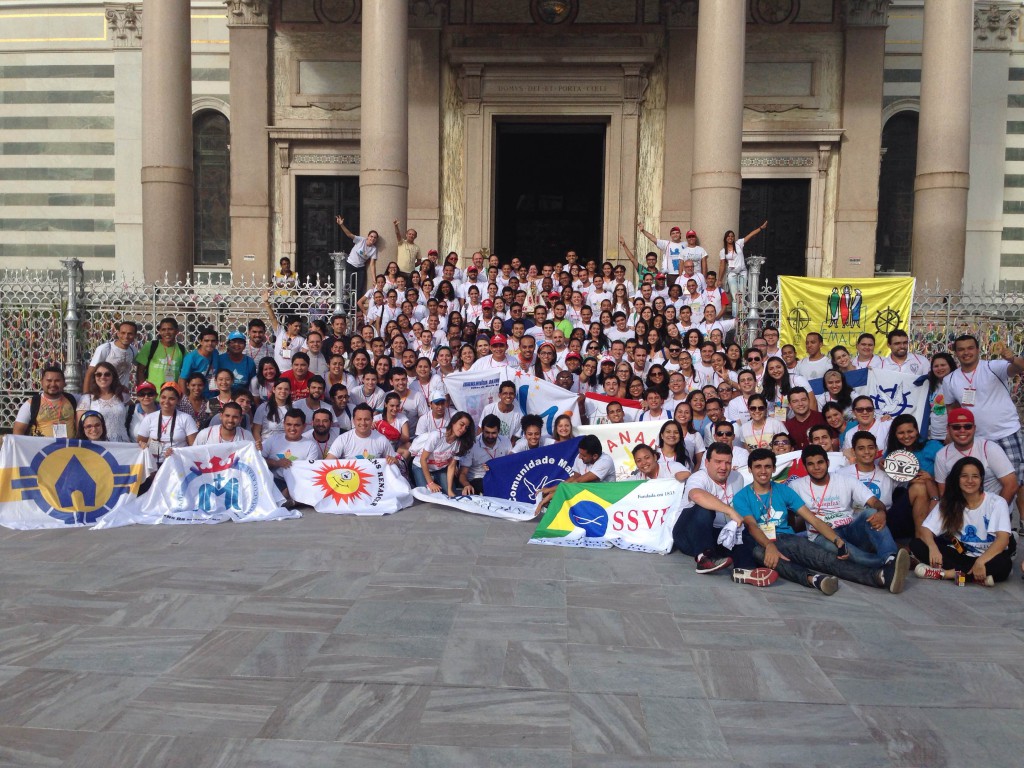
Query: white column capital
{"x": 995, "y": 25}
{"x": 247, "y": 13}
{"x": 867, "y": 13}
{"x": 125, "y": 23}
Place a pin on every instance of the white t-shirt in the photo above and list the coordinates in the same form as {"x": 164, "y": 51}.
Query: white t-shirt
{"x": 874, "y": 362}
{"x": 878, "y": 428}
{"x": 667, "y": 470}
{"x": 350, "y": 446}
{"x": 441, "y": 451}
{"x": 361, "y": 254}
{"x": 595, "y": 298}
{"x": 158, "y": 429}
{"x": 614, "y": 334}
{"x": 212, "y": 436}
{"x": 915, "y": 364}
{"x": 736, "y": 262}
{"x": 671, "y": 256}
{"x": 480, "y": 454}
{"x": 989, "y": 453}
{"x": 833, "y": 503}
{"x": 813, "y": 369}
{"x": 995, "y": 415}
{"x": 113, "y": 410}
{"x": 269, "y": 427}
{"x": 487, "y": 361}
{"x": 701, "y": 480}
{"x": 279, "y": 447}
{"x": 876, "y": 481}
{"x": 980, "y": 525}
{"x": 123, "y": 361}
{"x": 510, "y": 422}
{"x": 604, "y": 468}
{"x": 413, "y": 406}
{"x": 753, "y": 437}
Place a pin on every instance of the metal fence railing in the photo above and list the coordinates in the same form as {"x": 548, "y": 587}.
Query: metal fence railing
{"x": 56, "y": 317}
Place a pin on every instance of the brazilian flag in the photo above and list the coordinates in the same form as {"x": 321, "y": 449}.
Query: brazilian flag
{"x": 582, "y": 509}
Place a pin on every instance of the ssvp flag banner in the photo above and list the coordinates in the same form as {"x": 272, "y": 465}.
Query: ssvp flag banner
{"x": 637, "y": 516}
{"x": 618, "y": 440}
{"x": 55, "y": 483}
{"x": 349, "y": 486}
{"x": 206, "y": 484}
{"x": 841, "y": 309}
{"x": 521, "y": 477}
{"x": 597, "y": 407}
{"x": 472, "y": 391}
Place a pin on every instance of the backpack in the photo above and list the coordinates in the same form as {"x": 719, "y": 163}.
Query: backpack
{"x": 33, "y": 410}
{"x": 145, "y": 356}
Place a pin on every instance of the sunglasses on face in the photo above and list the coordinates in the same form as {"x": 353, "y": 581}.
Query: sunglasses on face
{"x": 780, "y": 443}
{"x": 756, "y": 408}
{"x": 961, "y": 427}
{"x": 723, "y": 434}
{"x": 864, "y": 410}
{"x": 753, "y": 359}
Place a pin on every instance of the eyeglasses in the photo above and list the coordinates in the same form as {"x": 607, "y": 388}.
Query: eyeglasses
{"x": 780, "y": 443}
{"x": 724, "y": 434}
{"x": 864, "y": 410}
{"x": 961, "y": 427}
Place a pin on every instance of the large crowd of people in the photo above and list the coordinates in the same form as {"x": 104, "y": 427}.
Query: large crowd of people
{"x": 310, "y": 389}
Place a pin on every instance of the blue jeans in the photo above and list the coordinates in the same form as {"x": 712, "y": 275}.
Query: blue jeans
{"x": 807, "y": 559}
{"x": 439, "y": 476}
{"x": 866, "y": 545}
{"x": 694, "y": 531}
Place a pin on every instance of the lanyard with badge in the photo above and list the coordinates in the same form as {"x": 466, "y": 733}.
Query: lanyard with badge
{"x": 969, "y": 396}
{"x": 768, "y": 526}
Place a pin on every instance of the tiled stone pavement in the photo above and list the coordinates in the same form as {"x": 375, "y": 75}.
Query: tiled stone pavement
{"x": 436, "y": 639}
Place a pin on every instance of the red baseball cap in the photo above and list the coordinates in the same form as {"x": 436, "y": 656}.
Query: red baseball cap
{"x": 432, "y": 252}
{"x": 660, "y": 276}
{"x": 674, "y": 229}
{"x": 486, "y": 303}
{"x": 554, "y": 295}
{"x": 690, "y": 233}
{"x": 499, "y": 338}
{"x": 573, "y": 355}
{"x": 959, "y": 416}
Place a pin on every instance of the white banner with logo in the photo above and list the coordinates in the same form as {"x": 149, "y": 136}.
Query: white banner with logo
{"x": 349, "y": 486}
{"x": 618, "y": 440}
{"x": 206, "y": 484}
{"x": 472, "y": 391}
{"x": 488, "y": 506}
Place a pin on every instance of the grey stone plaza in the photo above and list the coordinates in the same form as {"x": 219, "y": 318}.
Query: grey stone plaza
{"x": 437, "y": 638}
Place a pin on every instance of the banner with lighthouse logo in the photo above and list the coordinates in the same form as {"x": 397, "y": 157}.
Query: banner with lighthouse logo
{"x": 206, "y": 484}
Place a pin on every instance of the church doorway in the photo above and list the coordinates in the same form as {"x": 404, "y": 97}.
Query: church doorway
{"x": 549, "y": 191}
{"x": 785, "y": 205}
{"x": 320, "y": 199}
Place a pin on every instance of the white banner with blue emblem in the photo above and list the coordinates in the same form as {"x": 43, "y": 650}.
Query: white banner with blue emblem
{"x": 56, "y": 483}
{"x": 206, "y": 484}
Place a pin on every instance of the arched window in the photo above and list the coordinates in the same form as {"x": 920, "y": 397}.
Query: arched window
{"x": 896, "y": 193}
{"x": 212, "y": 171}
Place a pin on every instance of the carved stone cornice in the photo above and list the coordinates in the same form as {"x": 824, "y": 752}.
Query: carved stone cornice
{"x": 427, "y": 14}
{"x": 634, "y": 87}
{"x": 125, "y": 24}
{"x": 680, "y": 14}
{"x": 247, "y": 13}
{"x": 470, "y": 82}
{"x": 995, "y": 25}
{"x": 867, "y": 13}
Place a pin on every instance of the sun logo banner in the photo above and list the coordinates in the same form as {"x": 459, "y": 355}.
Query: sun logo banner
{"x": 56, "y": 483}
{"x": 349, "y": 486}
{"x": 841, "y": 309}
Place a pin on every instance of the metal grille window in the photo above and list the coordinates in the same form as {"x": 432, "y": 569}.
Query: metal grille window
{"x": 212, "y": 171}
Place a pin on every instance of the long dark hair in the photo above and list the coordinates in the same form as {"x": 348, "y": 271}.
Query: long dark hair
{"x": 662, "y": 388}
{"x": 682, "y": 456}
{"x": 933, "y": 380}
{"x": 116, "y": 388}
{"x": 953, "y": 503}
{"x": 892, "y": 444}
{"x": 273, "y": 410}
{"x": 775, "y": 390}
{"x": 260, "y": 381}
{"x": 725, "y": 241}
{"x": 845, "y": 397}
{"x": 466, "y": 441}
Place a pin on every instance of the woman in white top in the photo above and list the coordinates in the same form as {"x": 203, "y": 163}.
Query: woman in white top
{"x": 709, "y": 323}
{"x": 968, "y": 531}
{"x": 167, "y": 428}
{"x": 866, "y": 357}
{"x": 108, "y": 398}
{"x": 546, "y": 366}
{"x": 758, "y": 432}
{"x": 438, "y": 462}
{"x": 649, "y": 466}
{"x": 674, "y": 450}
{"x": 778, "y": 382}
{"x": 269, "y": 417}
{"x": 732, "y": 265}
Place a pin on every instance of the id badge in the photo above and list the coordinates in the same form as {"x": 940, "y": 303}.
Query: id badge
{"x": 60, "y": 430}
{"x": 968, "y": 396}
{"x": 781, "y": 412}
{"x": 768, "y": 529}
{"x": 286, "y": 353}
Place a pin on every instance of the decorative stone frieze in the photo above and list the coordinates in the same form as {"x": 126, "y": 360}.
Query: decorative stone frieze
{"x": 125, "y": 24}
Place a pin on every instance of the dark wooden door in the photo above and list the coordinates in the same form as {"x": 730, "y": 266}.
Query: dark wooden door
{"x": 320, "y": 199}
{"x": 784, "y": 203}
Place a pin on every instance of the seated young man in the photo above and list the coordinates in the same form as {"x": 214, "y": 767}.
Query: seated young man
{"x": 489, "y": 444}
{"x": 770, "y": 542}
{"x": 592, "y": 465}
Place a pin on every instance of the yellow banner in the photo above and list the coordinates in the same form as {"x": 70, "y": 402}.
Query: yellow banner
{"x": 841, "y": 309}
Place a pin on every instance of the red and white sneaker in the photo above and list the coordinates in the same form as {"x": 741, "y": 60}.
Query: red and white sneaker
{"x": 925, "y": 571}
{"x": 708, "y": 562}
{"x": 758, "y": 577}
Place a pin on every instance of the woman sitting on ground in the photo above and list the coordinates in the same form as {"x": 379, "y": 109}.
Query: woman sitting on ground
{"x": 967, "y": 531}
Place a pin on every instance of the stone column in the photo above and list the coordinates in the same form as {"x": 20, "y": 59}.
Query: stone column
{"x": 384, "y": 120}
{"x": 167, "y": 140}
{"x": 125, "y": 23}
{"x": 995, "y": 30}
{"x": 681, "y": 47}
{"x": 856, "y": 213}
{"x": 425, "y": 99}
{"x": 943, "y": 143}
{"x": 718, "y": 127}
{"x": 250, "y": 152}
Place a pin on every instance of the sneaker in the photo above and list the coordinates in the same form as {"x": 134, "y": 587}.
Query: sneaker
{"x": 758, "y": 577}
{"x": 708, "y": 562}
{"x": 894, "y": 572}
{"x": 988, "y": 582}
{"x": 924, "y": 571}
{"x": 827, "y": 585}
